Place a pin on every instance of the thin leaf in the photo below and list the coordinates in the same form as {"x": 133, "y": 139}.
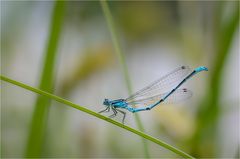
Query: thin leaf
{"x": 39, "y": 117}
{"x": 84, "y": 109}
{"x": 122, "y": 61}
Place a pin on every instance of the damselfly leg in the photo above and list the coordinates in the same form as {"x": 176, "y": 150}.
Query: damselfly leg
{"x": 114, "y": 113}
{"x": 124, "y": 114}
{"x": 105, "y": 110}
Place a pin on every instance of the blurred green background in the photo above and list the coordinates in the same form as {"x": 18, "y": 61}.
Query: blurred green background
{"x": 66, "y": 49}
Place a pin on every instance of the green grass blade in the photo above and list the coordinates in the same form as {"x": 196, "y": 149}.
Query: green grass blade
{"x": 84, "y": 109}
{"x": 38, "y": 123}
{"x": 122, "y": 61}
{"x": 208, "y": 115}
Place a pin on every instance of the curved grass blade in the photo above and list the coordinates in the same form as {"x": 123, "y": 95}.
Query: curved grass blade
{"x": 84, "y": 109}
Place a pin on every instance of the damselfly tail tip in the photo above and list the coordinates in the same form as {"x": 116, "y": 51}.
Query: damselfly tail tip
{"x": 201, "y": 68}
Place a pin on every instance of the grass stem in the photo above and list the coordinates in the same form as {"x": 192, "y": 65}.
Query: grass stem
{"x": 122, "y": 61}
{"x": 88, "y": 111}
{"x": 40, "y": 114}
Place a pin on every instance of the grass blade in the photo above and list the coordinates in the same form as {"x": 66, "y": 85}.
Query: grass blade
{"x": 208, "y": 115}
{"x": 122, "y": 61}
{"x": 84, "y": 109}
{"x": 38, "y": 124}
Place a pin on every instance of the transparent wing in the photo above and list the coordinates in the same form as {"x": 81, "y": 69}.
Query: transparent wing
{"x": 164, "y": 84}
{"x": 177, "y": 96}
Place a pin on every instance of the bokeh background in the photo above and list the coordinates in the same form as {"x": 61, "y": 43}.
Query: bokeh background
{"x": 70, "y": 45}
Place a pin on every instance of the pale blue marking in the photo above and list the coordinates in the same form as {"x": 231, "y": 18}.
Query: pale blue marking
{"x": 201, "y": 68}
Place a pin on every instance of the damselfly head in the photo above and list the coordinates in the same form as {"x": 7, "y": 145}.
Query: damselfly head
{"x": 106, "y": 102}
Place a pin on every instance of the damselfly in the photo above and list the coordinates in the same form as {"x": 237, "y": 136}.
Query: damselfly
{"x": 164, "y": 90}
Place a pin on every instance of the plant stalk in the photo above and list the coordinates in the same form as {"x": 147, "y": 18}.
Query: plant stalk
{"x": 88, "y": 111}
{"x": 40, "y": 114}
{"x": 122, "y": 61}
